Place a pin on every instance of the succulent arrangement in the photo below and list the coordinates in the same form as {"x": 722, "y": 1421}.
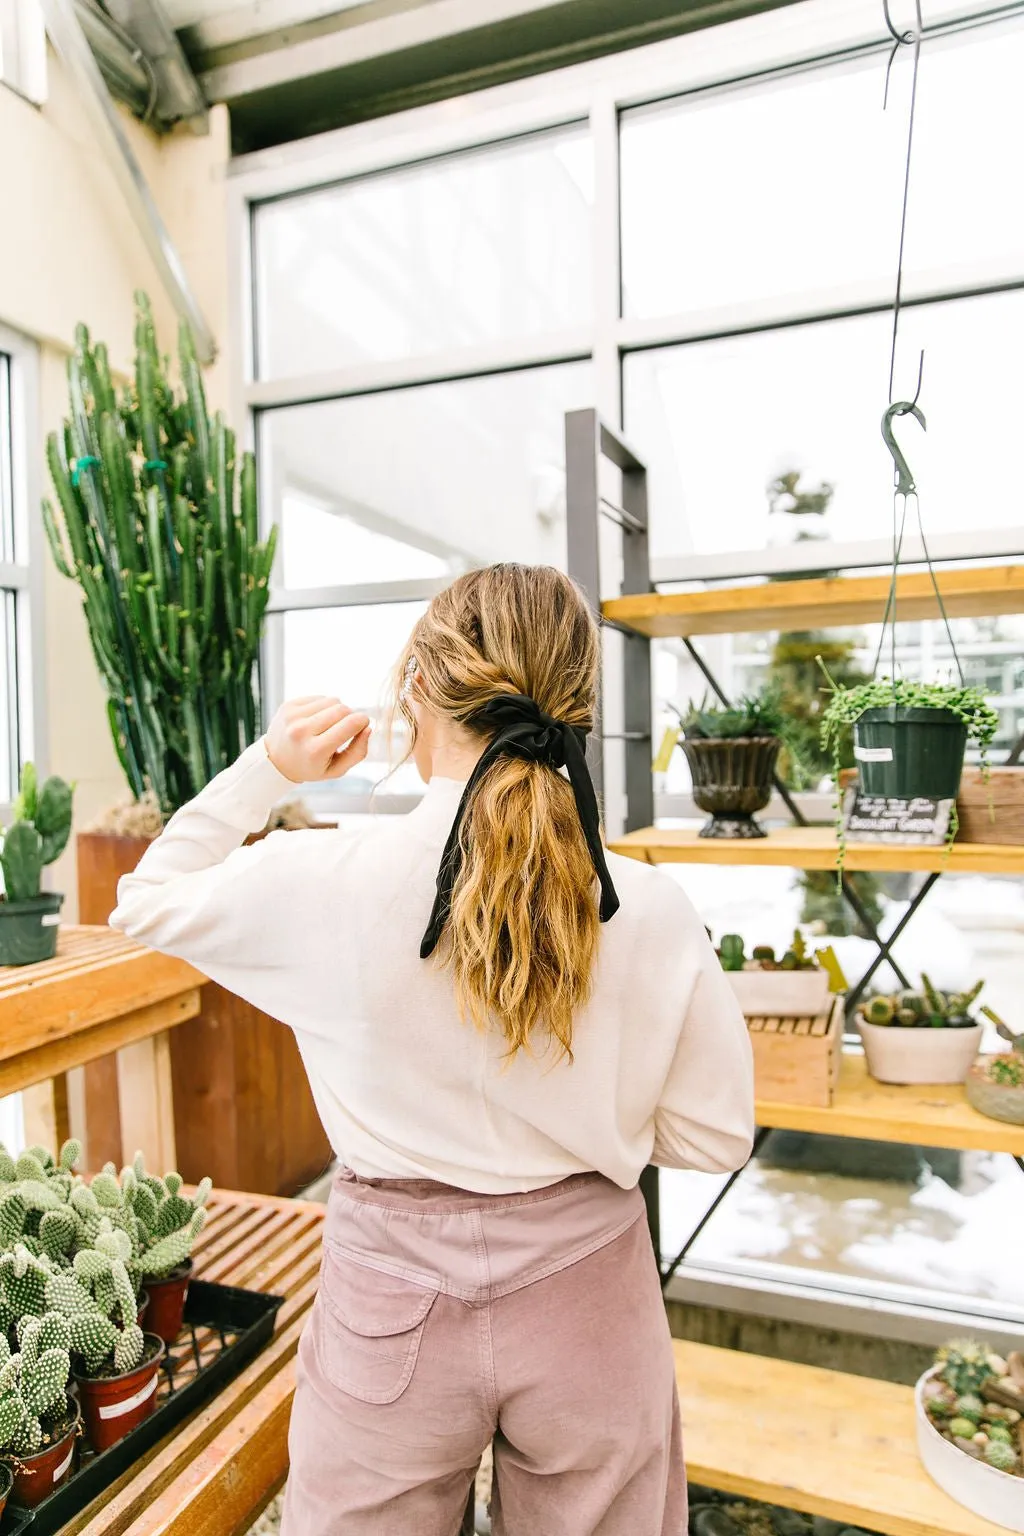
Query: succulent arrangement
{"x": 164, "y": 543}
{"x": 38, "y": 834}
{"x": 976, "y": 1401}
{"x": 846, "y": 705}
{"x": 732, "y": 955}
{"x": 754, "y": 716}
{"x": 928, "y": 1008}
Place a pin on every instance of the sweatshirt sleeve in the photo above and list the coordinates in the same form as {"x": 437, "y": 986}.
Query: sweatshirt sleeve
{"x": 198, "y": 893}
{"x": 705, "y": 1119}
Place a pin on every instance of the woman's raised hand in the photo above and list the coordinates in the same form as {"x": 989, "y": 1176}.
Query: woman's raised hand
{"x": 316, "y": 738}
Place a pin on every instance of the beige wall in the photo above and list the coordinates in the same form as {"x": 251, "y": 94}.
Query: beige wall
{"x": 70, "y": 252}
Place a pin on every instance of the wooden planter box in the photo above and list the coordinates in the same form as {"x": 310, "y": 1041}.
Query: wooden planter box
{"x": 796, "y": 1060}
{"x": 999, "y": 820}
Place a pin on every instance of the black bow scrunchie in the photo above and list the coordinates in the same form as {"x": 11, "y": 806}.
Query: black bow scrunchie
{"x": 522, "y": 729}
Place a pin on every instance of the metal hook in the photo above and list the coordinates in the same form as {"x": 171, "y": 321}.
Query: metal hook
{"x": 904, "y": 479}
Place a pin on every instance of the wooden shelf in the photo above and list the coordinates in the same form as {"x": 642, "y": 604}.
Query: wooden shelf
{"x": 815, "y": 1440}
{"x": 815, "y": 848}
{"x": 820, "y": 603}
{"x": 921, "y": 1116}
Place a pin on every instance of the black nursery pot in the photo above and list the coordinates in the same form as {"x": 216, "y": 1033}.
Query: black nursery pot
{"x": 732, "y": 778}
{"x": 28, "y": 929}
{"x": 908, "y": 752}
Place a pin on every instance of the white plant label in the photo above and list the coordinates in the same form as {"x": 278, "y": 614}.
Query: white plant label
{"x": 58, "y": 1472}
{"x": 873, "y": 754}
{"x": 49, "y": 920}
{"x": 118, "y": 1410}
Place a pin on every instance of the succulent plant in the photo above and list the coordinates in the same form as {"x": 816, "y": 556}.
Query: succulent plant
{"x": 731, "y": 952}
{"x": 33, "y": 1381}
{"x": 927, "y": 1008}
{"x": 879, "y": 1010}
{"x": 37, "y": 835}
{"x": 1001, "y": 1456}
{"x": 168, "y": 1221}
{"x": 962, "y": 1429}
{"x": 1007, "y": 1070}
{"x": 969, "y": 1406}
{"x": 166, "y": 549}
{"x": 97, "y": 1298}
{"x": 998, "y": 1431}
{"x": 967, "y": 1365}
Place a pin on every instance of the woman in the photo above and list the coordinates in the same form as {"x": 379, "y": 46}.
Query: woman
{"x": 501, "y": 1028}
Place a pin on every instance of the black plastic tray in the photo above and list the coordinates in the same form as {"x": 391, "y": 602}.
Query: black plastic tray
{"x": 224, "y": 1328}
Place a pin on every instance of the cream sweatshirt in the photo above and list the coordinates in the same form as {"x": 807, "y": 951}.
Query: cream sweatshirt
{"x": 321, "y": 929}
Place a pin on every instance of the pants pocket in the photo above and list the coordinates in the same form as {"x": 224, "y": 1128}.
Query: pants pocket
{"x": 369, "y": 1327}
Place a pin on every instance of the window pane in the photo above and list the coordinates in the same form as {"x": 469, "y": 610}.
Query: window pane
{"x": 8, "y": 699}
{"x": 6, "y": 459}
{"x": 718, "y": 420}
{"x": 424, "y": 481}
{"x": 464, "y": 250}
{"x": 733, "y": 196}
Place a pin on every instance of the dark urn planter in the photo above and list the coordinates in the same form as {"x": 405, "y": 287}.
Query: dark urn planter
{"x": 36, "y": 1477}
{"x": 165, "y": 1305}
{"x": 908, "y": 752}
{"x": 732, "y": 778}
{"x": 28, "y": 929}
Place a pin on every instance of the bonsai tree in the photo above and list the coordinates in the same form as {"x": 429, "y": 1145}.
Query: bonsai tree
{"x": 162, "y": 537}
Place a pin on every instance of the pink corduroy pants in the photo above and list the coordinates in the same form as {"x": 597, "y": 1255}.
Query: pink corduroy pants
{"x": 446, "y": 1320}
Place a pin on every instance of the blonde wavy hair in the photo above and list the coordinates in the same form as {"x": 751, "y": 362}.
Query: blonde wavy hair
{"x": 522, "y": 934}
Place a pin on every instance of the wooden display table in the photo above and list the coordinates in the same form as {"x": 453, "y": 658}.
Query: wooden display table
{"x": 101, "y": 993}
{"x": 214, "y": 1474}
{"x": 822, "y": 1442}
{"x": 816, "y": 848}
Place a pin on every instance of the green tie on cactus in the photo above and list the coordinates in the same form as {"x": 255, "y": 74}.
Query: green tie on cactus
{"x": 38, "y": 834}
{"x": 174, "y": 577}
{"x": 33, "y": 1382}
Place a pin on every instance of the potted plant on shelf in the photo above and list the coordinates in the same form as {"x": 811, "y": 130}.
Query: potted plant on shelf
{"x": 908, "y": 738}
{"x": 168, "y": 1225}
{"x": 38, "y": 835}
{"x": 731, "y": 753}
{"x": 969, "y": 1408}
{"x": 927, "y": 1036}
{"x": 995, "y": 1084}
{"x": 39, "y": 1422}
{"x": 792, "y": 986}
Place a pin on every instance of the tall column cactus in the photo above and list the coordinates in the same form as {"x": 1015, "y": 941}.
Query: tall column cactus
{"x": 163, "y": 539}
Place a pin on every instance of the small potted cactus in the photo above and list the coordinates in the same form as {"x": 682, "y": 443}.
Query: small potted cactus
{"x": 970, "y": 1429}
{"x": 38, "y": 834}
{"x": 117, "y": 1368}
{"x": 925, "y": 1036}
{"x": 168, "y": 1224}
{"x": 995, "y": 1084}
{"x": 39, "y": 1422}
{"x": 794, "y": 985}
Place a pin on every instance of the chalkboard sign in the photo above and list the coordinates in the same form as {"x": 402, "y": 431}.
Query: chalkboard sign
{"x": 895, "y": 818}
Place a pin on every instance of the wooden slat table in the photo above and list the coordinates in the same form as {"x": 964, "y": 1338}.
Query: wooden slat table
{"x": 215, "y": 1473}
{"x": 822, "y": 1442}
{"x": 816, "y": 848}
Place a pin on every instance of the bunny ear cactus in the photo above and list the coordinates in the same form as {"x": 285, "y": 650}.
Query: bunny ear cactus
{"x": 169, "y": 1222}
{"x": 33, "y": 1383}
{"x": 158, "y": 524}
{"x": 37, "y": 836}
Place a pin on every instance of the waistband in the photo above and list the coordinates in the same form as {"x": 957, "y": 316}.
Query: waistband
{"x": 471, "y": 1246}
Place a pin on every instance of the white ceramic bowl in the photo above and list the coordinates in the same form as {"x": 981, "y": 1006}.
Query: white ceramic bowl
{"x": 898, "y": 1053}
{"x": 995, "y": 1496}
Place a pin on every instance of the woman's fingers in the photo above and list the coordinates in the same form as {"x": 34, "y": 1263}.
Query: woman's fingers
{"x": 349, "y": 756}
{"x": 306, "y": 735}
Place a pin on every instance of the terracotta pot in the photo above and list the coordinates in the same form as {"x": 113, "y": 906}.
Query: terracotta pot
{"x": 6, "y": 1484}
{"x": 732, "y": 778}
{"x": 112, "y": 1406}
{"x": 899, "y": 1053}
{"x": 166, "y": 1310}
{"x": 37, "y": 1476}
{"x": 995, "y": 1496}
{"x": 1000, "y": 1101}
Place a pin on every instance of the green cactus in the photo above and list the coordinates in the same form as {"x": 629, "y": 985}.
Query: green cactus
{"x": 966, "y": 1366}
{"x": 879, "y": 1010}
{"x": 1001, "y": 1456}
{"x": 763, "y": 952}
{"x": 907, "y": 1017}
{"x": 963, "y": 1429}
{"x": 166, "y": 549}
{"x": 969, "y": 1406}
{"x": 168, "y": 1222}
{"x": 33, "y": 1382}
{"x": 98, "y": 1300}
{"x": 37, "y": 836}
{"x": 999, "y": 1432}
{"x": 730, "y": 952}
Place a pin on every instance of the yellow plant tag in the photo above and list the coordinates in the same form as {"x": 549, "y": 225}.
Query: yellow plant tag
{"x": 829, "y": 961}
{"x": 668, "y": 746}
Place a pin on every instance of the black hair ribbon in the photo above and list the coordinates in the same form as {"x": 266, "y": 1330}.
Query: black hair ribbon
{"x": 522, "y": 729}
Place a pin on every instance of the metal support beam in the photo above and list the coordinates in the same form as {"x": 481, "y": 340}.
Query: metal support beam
{"x": 66, "y": 33}
{"x": 179, "y": 98}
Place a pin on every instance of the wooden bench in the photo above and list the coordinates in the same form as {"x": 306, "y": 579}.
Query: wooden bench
{"x": 214, "y": 1475}
{"x": 822, "y": 1442}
